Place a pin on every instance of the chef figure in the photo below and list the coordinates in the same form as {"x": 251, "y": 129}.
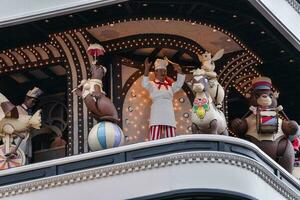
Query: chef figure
{"x": 161, "y": 90}
{"x": 25, "y": 109}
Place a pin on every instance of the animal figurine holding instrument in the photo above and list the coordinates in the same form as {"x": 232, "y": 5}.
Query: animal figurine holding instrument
{"x": 264, "y": 127}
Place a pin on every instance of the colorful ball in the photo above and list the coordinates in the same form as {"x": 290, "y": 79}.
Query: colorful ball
{"x": 105, "y": 135}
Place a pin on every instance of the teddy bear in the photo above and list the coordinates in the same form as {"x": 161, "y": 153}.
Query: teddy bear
{"x": 264, "y": 127}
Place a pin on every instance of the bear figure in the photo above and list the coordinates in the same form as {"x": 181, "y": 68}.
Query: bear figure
{"x": 264, "y": 127}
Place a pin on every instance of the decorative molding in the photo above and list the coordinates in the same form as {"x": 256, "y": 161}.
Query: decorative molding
{"x": 149, "y": 164}
{"x": 29, "y": 56}
{"x": 83, "y": 44}
{"x": 73, "y": 75}
{"x": 295, "y": 5}
{"x": 77, "y": 56}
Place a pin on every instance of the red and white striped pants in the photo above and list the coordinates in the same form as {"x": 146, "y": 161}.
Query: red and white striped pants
{"x": 157, "y": 130}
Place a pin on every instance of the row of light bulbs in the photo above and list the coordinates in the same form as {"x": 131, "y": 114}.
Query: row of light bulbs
{"x": 25, "y": 53}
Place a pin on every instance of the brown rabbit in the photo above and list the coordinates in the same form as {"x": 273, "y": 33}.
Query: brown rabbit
{"x": 94, "y": 97}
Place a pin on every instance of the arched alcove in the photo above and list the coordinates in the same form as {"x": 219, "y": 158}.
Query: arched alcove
{"x": 136, "y": 112}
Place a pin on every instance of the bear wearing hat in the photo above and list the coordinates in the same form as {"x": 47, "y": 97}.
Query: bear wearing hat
{"x": 264, "y": 127}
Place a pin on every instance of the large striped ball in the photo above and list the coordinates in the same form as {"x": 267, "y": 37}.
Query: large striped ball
{"x": 105, "y": 135}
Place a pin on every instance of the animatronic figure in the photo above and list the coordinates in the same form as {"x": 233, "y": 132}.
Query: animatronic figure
{"x": 14, "y": 124}
{"x": 7, "y": 109}
{"x": 25, "y": 109}
{"x": 94, "y": 97}
{"x": 295, "y": 140}
{"x": 264, "y": 127}
{"x": 105, "y": 134}
{"x": 91, "y": 90}
{"x": 215, "y": 90}
{"x": 296, "y": 146}
{"x": 206, "y": 118}
{"x": 162, "y": 89}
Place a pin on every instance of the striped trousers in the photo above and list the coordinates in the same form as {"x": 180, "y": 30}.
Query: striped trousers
{"x": 157, "y": 130}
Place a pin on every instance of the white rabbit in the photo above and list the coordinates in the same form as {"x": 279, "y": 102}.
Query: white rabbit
{"x": 208, "y": 66}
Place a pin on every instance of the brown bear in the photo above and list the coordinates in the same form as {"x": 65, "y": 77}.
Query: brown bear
{"x": 264, "y": 127}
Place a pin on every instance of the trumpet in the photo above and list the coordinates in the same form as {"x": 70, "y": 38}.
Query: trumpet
{"x": 174, "y": 63}
{"x": 169, "y": 61}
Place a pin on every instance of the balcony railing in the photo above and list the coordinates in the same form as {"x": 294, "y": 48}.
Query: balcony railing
{"x": 212, "y": 146}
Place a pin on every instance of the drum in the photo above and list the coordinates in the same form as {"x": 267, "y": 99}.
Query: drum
{"x": 267, "y": 121}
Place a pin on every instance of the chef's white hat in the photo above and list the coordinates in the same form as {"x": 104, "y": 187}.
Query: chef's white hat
{"x": 160, "y": 64}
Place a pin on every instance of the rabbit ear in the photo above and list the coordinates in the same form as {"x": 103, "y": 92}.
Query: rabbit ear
{"x": 218, "y": 55}
{"x": 200, "y": 57}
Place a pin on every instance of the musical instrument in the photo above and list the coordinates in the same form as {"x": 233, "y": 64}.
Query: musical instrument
{"x": 267, "y": 121}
